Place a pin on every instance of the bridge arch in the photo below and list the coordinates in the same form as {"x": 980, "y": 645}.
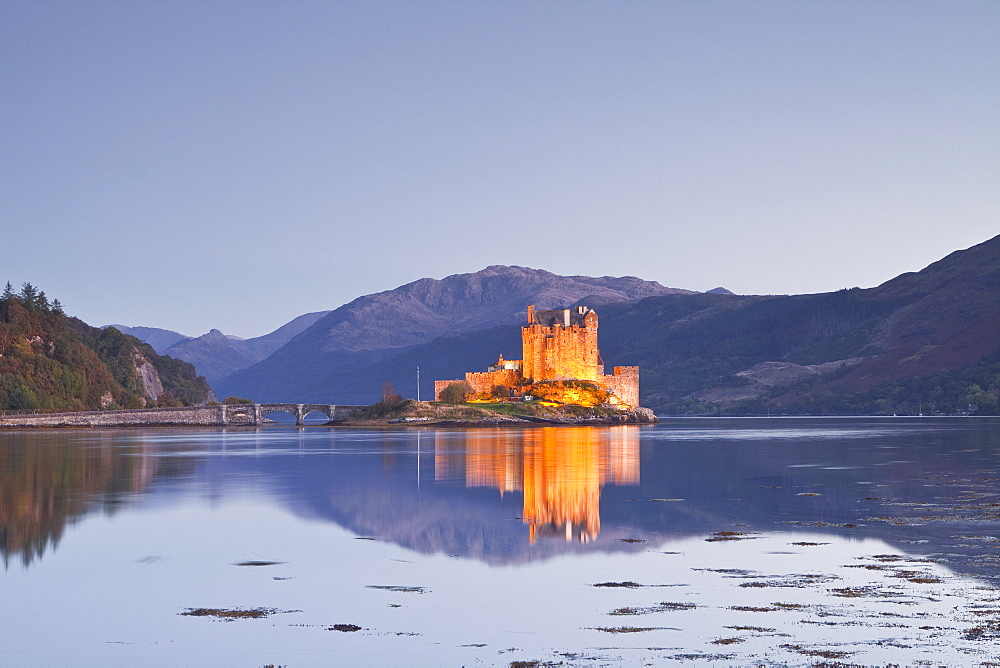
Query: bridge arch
{"x": 254, "y": 413}
{"x": 239, "y": 414}
{"x": 311, "y": 413}
{"x": 265, "y": 410}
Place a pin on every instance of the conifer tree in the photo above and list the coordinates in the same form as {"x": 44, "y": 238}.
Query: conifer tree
{"x": 5, "y": 301}
{"x": 29, "y": 293}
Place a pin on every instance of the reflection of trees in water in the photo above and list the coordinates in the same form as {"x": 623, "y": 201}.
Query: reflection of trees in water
{"x": 560, "y": 470}
{"x": 46, "y": 483}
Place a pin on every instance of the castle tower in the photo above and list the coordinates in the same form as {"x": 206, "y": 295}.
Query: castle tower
{"x": 561, "y": 345}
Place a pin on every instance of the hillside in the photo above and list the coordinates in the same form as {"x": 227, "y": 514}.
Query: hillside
{"x": 878, "y": 347}
{"x": 924, "y": 341}
{"x": 52, "y": 362}
{"x": 377, "y": 327}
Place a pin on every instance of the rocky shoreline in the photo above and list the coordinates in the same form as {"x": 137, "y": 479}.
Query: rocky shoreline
{"x": 425, "y": 414}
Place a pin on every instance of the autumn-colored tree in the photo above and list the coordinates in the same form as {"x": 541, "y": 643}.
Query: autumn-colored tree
{"x": 52, "y": 362}
{"x": 500, "y": 392}
{"x": 456, "y": 393}
{"x": 390, "y": 397}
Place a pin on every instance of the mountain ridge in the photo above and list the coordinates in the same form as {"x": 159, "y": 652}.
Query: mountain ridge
{"x": 217, "y": 355}
{"x": 853, "y": 350}
{"x": 374, "y": 327}
{"x": 160, "y": 339}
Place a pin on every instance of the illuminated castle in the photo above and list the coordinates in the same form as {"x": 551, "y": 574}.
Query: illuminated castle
{"x": 556, "y": 345}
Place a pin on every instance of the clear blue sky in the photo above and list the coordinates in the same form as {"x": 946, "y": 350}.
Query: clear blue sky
{"x": 191, "y": 165}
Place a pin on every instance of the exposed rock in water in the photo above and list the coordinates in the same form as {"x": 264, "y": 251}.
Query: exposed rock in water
{"x": 643, "y": 415}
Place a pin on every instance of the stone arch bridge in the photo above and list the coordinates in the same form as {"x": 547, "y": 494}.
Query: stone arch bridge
{"x": 255, "y": 414}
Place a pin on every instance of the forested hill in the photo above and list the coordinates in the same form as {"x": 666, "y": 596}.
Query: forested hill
{"x": 53, "y": 362}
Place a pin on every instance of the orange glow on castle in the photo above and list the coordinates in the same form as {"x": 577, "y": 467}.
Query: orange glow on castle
{"x": 557, "y": 345}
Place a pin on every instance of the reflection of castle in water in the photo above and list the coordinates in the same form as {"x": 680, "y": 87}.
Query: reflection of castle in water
{"x": 560, "y": 470}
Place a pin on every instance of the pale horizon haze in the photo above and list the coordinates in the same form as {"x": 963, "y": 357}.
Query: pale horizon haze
{"x": 232, "y": 165}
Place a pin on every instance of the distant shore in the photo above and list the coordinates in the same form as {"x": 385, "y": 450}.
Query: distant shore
{"x": 403, "y": 413}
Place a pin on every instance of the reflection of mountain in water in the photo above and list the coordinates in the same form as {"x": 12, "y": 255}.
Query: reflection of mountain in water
{"x": 697, "y": 478}
{"x": 467, "y": 491}
{"x": 560, "y": 470}
{"x": 48, "y": 480}
{"x": 928, "y": 487}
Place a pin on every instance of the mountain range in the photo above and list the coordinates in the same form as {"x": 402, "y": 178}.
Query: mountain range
{"x": 381, "y": 326}
{"x": 217, "y": 355}
{"x": 927, "y": 339}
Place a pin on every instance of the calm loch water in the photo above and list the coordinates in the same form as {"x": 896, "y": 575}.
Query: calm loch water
{"x": 729, "y": 542}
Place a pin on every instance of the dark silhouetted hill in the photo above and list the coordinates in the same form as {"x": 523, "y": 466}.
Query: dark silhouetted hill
{"x": 867, "y": 351}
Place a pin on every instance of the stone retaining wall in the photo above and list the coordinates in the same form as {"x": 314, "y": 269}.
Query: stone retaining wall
{"x": 221, "y": 415}
{"x": 194, "y": 415}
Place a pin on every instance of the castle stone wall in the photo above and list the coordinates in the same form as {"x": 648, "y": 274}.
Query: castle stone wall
{"x": 483, "y": 381}
{"x": 439, "y": 386}
{"x": 624, "y": 384}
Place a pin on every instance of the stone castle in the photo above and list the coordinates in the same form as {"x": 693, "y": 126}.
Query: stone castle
{"x": 557, "y": 345}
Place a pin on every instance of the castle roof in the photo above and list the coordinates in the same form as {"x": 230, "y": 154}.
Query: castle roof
{"x": 564, "y": 316}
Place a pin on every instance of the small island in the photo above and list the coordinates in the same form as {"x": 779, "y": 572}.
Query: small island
{"x": 559, "y": 379}
{"x": 398, "y": 411}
